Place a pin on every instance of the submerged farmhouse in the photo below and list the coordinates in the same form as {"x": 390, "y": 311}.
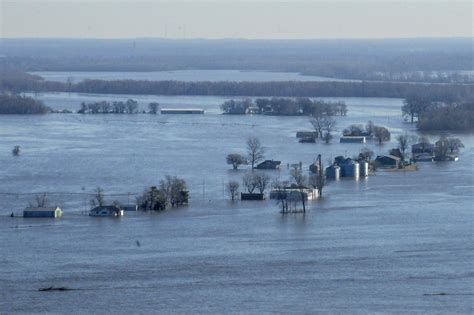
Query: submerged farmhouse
{"x": 423, "y": 152}
{"x": 294, "y": 193}
{"x": 172, "y": 111}
{"x": 388, "y": 161}
{"x": 42, "y": 212}
{"x": 353, "y": 139}
{"x": 106, "y": 211}
{"x": 268, "y": 165}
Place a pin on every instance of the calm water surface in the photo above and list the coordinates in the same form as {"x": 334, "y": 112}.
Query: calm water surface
{"x": 383, "y": 244}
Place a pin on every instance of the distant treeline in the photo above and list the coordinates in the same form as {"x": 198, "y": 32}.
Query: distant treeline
{"x": 435, "y": 92}
{"x": 104, "y": 107}
{"x": 20, "y": 105}
{"x": 448, "y": 117}
{"x": 284, "y": 107}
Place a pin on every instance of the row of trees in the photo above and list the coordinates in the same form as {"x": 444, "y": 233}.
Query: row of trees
{"x": 370, "y": 130}
{"x": 448, "y": 117}
{"x": 439, "y": 115}
{"x": 284, "y": 106}
{"x": 20, "y": 82}
{"x": 21, "y": 105}
{"x": 128, "y": 107}
{"x": 171, "y": 192}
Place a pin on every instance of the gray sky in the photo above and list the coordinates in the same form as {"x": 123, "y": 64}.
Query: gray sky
{"x": 236, "y": 19}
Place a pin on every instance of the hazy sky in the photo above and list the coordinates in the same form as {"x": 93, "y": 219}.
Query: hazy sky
{"x": 236, "y": 19}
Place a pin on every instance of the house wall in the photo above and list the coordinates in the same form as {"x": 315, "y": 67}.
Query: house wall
{"x": 39, "y": 214}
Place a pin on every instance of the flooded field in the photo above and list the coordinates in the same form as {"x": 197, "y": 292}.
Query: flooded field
{"x": 395, "y": 242}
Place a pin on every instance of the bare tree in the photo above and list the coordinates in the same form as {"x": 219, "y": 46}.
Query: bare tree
{"x": 282, "y": 195}
{"x": 381, "y": 134}
{"x": 98, "y": 199}
{"x": 300, "y": 179}
{"x": 327, "y": 137}
{"x": 441, "y": 149}
{"x": 454, "y": 145}
{"x": 262, "y": 180}
{"x": 404, "y": 142}
{"x": 249, "y": 182}
{"x": 235, "y": 160}
{"x": 154, "y": 107}
{"x": 174, "y": 190}
{"x": 366, "y": 154}
{"x": 233, "y": 188}
{"x": 424, "y": 142}
{"x": 323, "y": 123}
{"x": 255, "y": 151}
{"x": 41, "y": 200}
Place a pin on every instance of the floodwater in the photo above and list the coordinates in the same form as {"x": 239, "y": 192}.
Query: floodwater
{"x": 182, "y": 75}
{"x": 394, "y": 242}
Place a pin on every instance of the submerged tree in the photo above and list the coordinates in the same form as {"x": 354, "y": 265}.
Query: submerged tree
{"x": 454, "y": 145}
{"x": 300, "y": 179}
{"x": 235, "y": 160}
{"x": 98, "y": 199}
{"x": 255, "y": 151}
{"x": 323, "y": 123}
{"x": 174, "y": 190}
{"x": 279, "y": 188}
{"x": 261, "y": 180}
{"x": 16, "y": 150}
{"x": 381, "y": 134}
{"x": 152, "y": 199}
{"x": 233, "y": 188}
{"x": 366, "y": 154}
{"x": 154, "y": 107}
{"x": 441, "y": 149}
{"x": 41, "y": 200}
{"x": 249, "y": 182}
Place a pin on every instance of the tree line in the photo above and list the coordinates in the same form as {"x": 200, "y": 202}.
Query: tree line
{"x": 21, "y": 105}
{"x": 431, "y": 115}
{"x": 284, "y": 106}
{"x": 128, "y": 107}
{"x": 18, "y": 82}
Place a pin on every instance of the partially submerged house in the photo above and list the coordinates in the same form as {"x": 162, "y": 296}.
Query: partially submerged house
{"x": 42, "y": 212}
{"x": 129, "y": 207}
{"x": 388, "y": 161}
{"x": 420, "y": 148}
{"x": 106, "y": 211}
{"x": 268, "y": 165}
{"x": 353, "y": 139}
{"x": 170, "y": 111}
{"x": 294, "y": 193}
{"x": 252, "y": 196}
{"x": 423, "y": 152}
{"x": 306, "y": 134}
